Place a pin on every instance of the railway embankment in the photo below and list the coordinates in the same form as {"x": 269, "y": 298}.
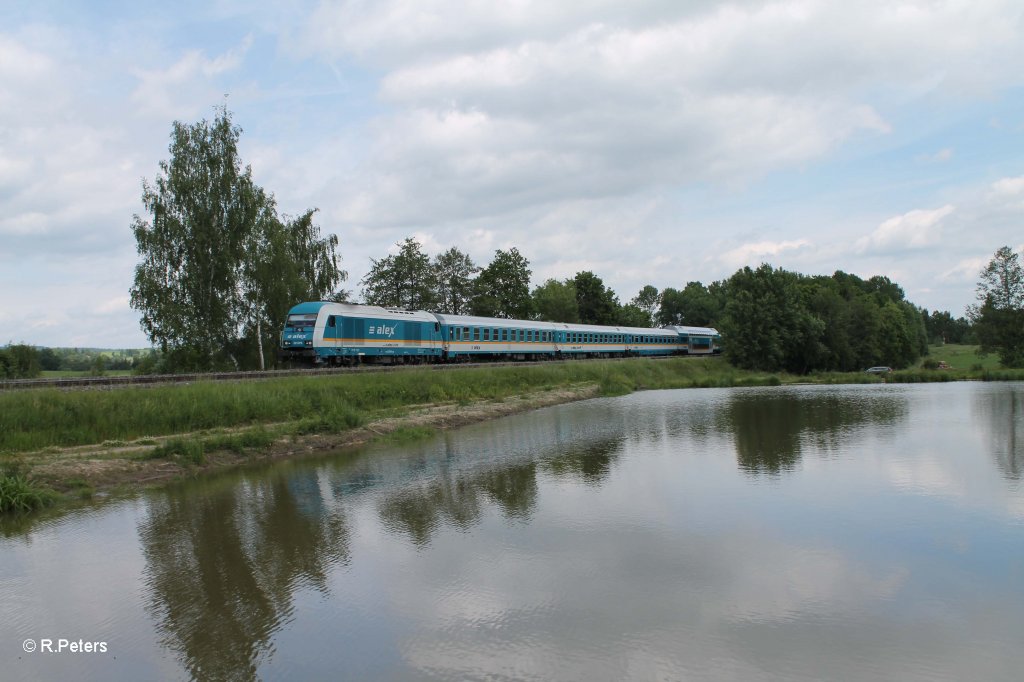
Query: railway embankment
{"x": 59, "y": 445}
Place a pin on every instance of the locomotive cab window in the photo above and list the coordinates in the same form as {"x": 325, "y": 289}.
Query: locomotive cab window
{"x": 301, "y": 320}
{"x": 330, "y": 321}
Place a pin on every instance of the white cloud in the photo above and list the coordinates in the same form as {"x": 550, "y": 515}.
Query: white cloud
{"x": 174, "y": 91}
{"x": 1009, "y": 186}
{"x": 755, "y": 253}
{"x": 965, "y": 270}
{"x": 912, "y": 230}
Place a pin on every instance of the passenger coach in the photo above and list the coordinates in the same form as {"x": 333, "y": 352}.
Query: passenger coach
{"x": 343, "y": 333}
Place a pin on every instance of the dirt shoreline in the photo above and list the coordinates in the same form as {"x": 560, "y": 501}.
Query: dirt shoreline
{"x": 124, "y": 466}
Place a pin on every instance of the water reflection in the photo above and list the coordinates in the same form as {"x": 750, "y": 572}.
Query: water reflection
{"x": 590, "y": 464}
{"x": 614, "y": 539}
{"x": 772, "y": 428}
{"x": 456, "y": 495}
{"x": 223, "y": 559}
{"x": 1002, "y": 407}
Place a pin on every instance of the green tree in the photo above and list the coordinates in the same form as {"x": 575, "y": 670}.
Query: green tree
{"x": 287, "y": 261}
{"x": 503, "y": 287}
{"x": 19, "y": 361}
{"x": 453, "y": 273}
{"x": 49, "y": 360}
{"x": 204, "y": 278}
{"x": 1002, "y": 281}
{"x": 597, "y": 304}
{"x": 647, "y": 300}
{"x": 695, "y": 305}
{"x": 999, "y": 320}
{"x": 632, "y": 315}
{"x": 942, "y": 327}
{"x": 403, "y": 280}
{"x": 767, "y": 323}
{"x": 555, "y": 301}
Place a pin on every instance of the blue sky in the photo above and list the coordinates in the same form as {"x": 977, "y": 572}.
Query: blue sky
{"x": 652, "y": 142}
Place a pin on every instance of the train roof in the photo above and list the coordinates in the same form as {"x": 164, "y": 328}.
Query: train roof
{"x": 470, "y": 320}
{"x": 710, "y": 331}
{"x": 357, "y": 310}
{"x": 473, "y": 321}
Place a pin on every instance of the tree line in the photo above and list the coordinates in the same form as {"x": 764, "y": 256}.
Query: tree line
{"x": 452, "y": 283}
{"x": 771, "y": 319}
{"x": 22, "y": 361}
{"x": 219, "y": 269}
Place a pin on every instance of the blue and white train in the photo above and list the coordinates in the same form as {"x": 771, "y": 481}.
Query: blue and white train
{"x": 347, "y": 334}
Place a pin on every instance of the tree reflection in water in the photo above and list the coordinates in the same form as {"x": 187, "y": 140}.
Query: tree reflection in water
{"x": 771, "y": 428}
{"x": 457, "y": 497}
{"x": 223, "y": 559}
{"x": 1002, "y": 407}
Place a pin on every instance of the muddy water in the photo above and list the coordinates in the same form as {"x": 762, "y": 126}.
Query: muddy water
{"x": 868, "y": 532}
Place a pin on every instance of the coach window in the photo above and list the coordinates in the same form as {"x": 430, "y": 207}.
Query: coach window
{"x": 487, "y": 335}
{"x": 476, "y": 333}
{"x": 451, "y": 333}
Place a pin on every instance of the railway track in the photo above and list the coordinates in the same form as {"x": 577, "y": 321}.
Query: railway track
{"x": 153, "y": 379}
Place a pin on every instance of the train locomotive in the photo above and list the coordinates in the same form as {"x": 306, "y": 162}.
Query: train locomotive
{"x": 328, "y": 333}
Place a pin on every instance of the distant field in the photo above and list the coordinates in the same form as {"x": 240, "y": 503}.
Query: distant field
{"x": 963, "y": 357}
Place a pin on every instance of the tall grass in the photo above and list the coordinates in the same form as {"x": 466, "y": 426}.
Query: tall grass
{"x": 19, "y": 494}
{"x": 35, "y": 419}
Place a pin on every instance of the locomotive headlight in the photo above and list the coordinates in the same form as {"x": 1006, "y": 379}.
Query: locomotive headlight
{"x": 309, "y": 343}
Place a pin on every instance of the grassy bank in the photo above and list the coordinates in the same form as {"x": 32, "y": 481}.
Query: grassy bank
{"x": 80, "y": 442}
{"x": 37, "y": 419}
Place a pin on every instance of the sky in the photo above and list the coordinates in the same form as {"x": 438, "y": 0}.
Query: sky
{"x": 651, "y": 142}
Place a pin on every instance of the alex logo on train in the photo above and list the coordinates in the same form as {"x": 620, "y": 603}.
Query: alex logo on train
{"x": 383, "y": 330}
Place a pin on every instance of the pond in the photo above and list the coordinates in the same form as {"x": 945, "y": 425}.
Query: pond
{"x": 811, "y": 532}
